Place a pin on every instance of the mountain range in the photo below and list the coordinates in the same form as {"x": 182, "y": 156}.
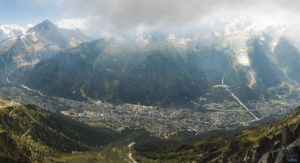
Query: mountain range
{"x": 231, "y": 63}
{"x": 157, "y": 69}
{"x": 21, "y": 51}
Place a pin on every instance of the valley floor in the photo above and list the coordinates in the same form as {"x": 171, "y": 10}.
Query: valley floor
{"x": 163, "y": 121}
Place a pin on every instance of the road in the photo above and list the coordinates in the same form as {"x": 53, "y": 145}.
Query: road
{"x": 226, "y": 87}
{"x": 242, "y": 104}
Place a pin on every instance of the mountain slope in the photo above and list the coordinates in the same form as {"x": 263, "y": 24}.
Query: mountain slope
{"x": 23, "y": 51}
{"x": 155, "y": 74}
{"x": 157, "y": 69}
{"x": 259, "y": 144}
{"x": 269, "y": 73}
{"x": 160, "y": 72}
{"x": 288, "y": 59}
{"x": 30, "y": 134}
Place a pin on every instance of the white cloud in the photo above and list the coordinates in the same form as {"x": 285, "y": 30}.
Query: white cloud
{"x": 9, "y": 29}
{"x": 73, "y": 23}
{"x": 125, "y": 16}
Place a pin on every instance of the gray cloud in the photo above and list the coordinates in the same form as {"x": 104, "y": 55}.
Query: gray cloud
{"x": 126, "y": 16}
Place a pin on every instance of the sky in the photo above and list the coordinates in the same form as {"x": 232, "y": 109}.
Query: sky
{"x": 109, "y": 17}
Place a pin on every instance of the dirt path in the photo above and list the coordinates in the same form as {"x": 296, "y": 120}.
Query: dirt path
{"x": 5, "y": 104}
{"x": 132, "y": 160}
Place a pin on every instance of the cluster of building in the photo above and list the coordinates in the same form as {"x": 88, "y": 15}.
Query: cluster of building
{"x": 157, "y": 120}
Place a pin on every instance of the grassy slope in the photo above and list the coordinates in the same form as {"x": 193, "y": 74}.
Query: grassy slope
{"x": 116, "y": 152}
{"x": 31, "y": 134}
{"x": 233, "y": 147}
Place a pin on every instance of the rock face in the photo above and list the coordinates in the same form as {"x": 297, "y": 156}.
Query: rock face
{"x": 276, "y": 157}
{"x": 277, "y": 149}
{"x": 287, "y": 136}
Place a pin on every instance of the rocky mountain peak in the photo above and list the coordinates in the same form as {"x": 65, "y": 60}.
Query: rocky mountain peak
{"x": 46, "y": 25}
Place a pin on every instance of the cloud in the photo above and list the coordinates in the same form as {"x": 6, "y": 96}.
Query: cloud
{"x": 73, "y": 23}
{"x": 128, "y": 16}
{"x": 8, "y": 29}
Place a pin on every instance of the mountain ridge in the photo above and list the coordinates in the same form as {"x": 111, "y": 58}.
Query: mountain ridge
{"x": 160, "y": 72}
{"x": 22, "y": 52}
{"x": 30, "y": 134}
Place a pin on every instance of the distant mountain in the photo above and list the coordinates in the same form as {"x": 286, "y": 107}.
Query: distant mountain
{"x": 31, "y": 134}
{"x": 288, "y": 58}
{"x": 3, "y": 36}
{"x": 126, "y": 72}
{"x": 47, "y": 33}
{"x": 13, "y": 33}
{"x": 155, "y": 68}
{"x": 268, "y": 72}
{"x": 272, "y": 142}
{"x": 23, "y": 51}
{"x": 163, "y": 70}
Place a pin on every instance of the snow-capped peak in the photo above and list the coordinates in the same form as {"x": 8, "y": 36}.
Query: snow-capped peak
{"x": 11, "y": 30}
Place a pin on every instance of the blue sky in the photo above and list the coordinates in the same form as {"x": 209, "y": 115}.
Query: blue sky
{"x": 21, "y": 12}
